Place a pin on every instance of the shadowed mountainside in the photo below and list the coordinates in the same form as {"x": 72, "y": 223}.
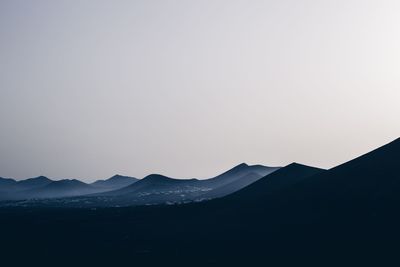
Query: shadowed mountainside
{"x": 159, "y": 189}
{"x": 42, "y": 187}
{"x": 126, "y": 191}
{"x": 115, "y": 182}
{"x": 62, "y": 188}
{"x": 11, "y": 189}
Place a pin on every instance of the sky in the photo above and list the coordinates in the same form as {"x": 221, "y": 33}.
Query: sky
{"x": 189, "y": 89}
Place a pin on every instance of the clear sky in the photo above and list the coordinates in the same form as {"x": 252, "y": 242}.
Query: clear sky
{"x": 190, "y": 88}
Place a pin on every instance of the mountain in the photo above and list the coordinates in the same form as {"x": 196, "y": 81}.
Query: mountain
{"x": 151, "y": 182}
{"x": 115, "y": 182}
{"x": 42, "y": 187}
{"x": 11, "y": 189}
{"x": 7, "y": 184}
{"x": 33, "y": 183}
{"x": 238, "y": 172}
{"x": 123, "y": 190}
{"x": 235, "y": 179}
{"x": 155, "y": 189}
{"x": 295, "y": 216}
{"x": 347, "y": 212}
{"x": 59, "y": 189}
{"x": 7, "y": 181}
{"x": 231, "y": 187}
{"x": 366, "y": 186}
{"x": 159, "y": 189}
{"x": 369, "y": 182}
{"x": 279, "y": 180}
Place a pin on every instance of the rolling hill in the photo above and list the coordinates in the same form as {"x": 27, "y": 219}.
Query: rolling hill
{"x": 159, "y": 189}
{"x": 115, "y": 182}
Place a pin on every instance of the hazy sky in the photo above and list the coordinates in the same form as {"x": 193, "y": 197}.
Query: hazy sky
{"x": 190, "y": 88}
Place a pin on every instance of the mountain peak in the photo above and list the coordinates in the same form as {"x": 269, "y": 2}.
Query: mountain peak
{"x": 237, "y": 168}
{"x": 242, "y": 165}
{"x": 36, "y": 179}
{"x": 65, "y": 183}
{"x": 119, "y": 177}
{"x": 3, "y": 178}
{"x": 115, "y": 182}
{"x": 295, "y": 164}
{"x": 69, "y": 181}
{"x": 156, "y": 177}
{"x": 41, "y": 177}
{"x": 161, "y": 178}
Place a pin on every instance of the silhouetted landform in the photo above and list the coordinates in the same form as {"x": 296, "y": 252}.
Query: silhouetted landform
{"x": 127, "y": 191}
{"x": 295, "y": 216}
{"x": 115, "y": 182}
{"x": 62, "y": 188}
{"x": 7, "y": 184}
{"x": 274, "y": 183}
{"x": 42, "y": 187}
{"x": 11, "y": 189}
{"x": 159, "y": 189}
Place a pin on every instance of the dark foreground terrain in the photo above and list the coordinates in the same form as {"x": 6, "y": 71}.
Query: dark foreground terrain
{"x": 296, "y": 216}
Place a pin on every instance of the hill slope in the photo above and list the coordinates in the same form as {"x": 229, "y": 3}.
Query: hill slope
{"x": 159, "y": 189}
{"x": 59, "y": 189}
{"x": 115, "y": 182}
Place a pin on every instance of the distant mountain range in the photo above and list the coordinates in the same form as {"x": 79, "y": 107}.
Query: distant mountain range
{"x": 7, "y": 184}
{"x": 42, "y": 187}
{"x": 158, "y": 189}
{"x": 125, "y": 191}
{"x": 344, "y": 216}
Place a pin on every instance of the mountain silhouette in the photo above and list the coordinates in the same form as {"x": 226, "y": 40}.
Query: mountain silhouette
{"x": 295, "y": 216}
{"x": 152, "y": 182}
{"x": 123, "y": 190}
{"x": 238, "y": 172}
{"x": 235, "y": 179}
{"x": 352, "y": 205}
{"x": 33, "y": 183}
{"x": 159, "y": 189}
{"x": 274, "y": 183}
{"x": 369, "y": 182}
{"x": 42, "y": 187}
{"x": 115, "y": 182}
{"x": 154, "y": 189}
{"x": 11, "y": 189}
{"x": 59, "y": 189}
{"x": 231, "y": 187}
{"x": 7, "y": 184}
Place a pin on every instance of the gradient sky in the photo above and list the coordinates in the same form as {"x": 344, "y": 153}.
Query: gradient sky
{"x": 190, "y": 88}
